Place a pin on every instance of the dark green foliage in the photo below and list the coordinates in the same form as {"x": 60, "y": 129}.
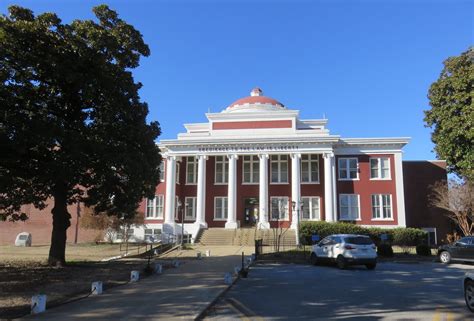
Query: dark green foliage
{"x": 384, "y": 250}
{"x": 452, "y": 114}
{"x": 408, "y": 236}
{"x": 398, "y": 236}
{"x": 72, "y": 124}
{"x": 423, "y": 250}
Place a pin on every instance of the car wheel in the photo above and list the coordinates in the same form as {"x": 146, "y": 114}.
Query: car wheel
{"x": 445, "y": 257}
{"x": 313, "y": 259}
{"x": 371, "y": 266}
{"x": 341, "y": 262}
{"x": 469, "y": 294}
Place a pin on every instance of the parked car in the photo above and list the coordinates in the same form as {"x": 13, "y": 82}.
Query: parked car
{"x": 461, "y": 250}
{"x": 344, "y": 250}
{"x": 469, "y": 290}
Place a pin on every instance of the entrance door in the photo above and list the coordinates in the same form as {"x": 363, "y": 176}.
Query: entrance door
{"x": 251, "y": 211}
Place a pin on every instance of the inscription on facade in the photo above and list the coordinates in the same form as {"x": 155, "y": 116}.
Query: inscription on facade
{"x": 248, "y": 148}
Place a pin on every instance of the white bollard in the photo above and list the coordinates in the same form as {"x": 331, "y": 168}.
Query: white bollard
{"x": 158, "y": 268}
{"x": 198, "y": 255}
{"x": 134, "y": 276}
{"x": 96, "y": 288}
{"x": 228, "y": 278}
{"x": 38, "y": 303}
{"x": 208, "y": 253}
{"x": 236, "y": 270}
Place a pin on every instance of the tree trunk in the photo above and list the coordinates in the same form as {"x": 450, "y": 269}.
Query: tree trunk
{"x": 61, "y": 222}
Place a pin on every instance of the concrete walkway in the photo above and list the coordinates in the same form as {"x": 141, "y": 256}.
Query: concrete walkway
{"x": 178, "y": 294}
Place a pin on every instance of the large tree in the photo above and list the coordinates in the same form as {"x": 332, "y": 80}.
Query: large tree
{"x": 452, "y": 114}
{"x": 72, "y": 125}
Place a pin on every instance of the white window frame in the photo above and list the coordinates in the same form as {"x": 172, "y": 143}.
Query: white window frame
{"x": 178, "y": 164}
{"x": 225, "y": 170}
{"x": 224, "y": 208}
{"x": 155, "y": 232}
{"x": 191, "y": 165}
{"x": 381, "y": 206}
{"x": 254, "y": 166}
{"x": 379, "y": 168}
{"x": 278, "y": 163}
{"x": 190, "y": 203}
{"x": 350, "y": 206}
{"x": 162, "y": 171}
{"x": 156, "y": 205}
{"x": 286, "y": 215}
{"x": 309, "y": 161}
{"x": 347, "y": 161}
{"x": 312, "y": 216}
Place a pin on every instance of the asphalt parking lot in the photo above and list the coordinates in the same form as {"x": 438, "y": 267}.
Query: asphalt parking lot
{"x": 423, "y": 291}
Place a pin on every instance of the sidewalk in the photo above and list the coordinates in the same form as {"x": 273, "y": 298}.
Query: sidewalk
{"x": 177, "y": 294}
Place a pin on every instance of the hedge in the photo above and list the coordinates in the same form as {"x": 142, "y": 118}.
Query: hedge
{"x": 397, "y": 236}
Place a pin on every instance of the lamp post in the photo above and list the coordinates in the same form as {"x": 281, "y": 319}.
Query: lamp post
{"x": 293, "y": 203}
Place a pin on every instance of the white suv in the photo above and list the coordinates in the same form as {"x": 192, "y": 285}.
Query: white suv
{"x": 345, "y": 249}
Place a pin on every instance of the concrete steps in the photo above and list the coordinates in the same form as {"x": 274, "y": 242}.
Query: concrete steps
{"x": 217, "y": 236}
{"x": 246, "y": 236}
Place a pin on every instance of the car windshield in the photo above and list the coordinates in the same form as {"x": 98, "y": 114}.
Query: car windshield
{"x": 359, "y": 240}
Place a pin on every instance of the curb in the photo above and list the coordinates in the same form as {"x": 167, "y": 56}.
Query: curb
{"x": 203, "y": 313}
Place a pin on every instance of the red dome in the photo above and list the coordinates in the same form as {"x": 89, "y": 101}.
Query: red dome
{"x": 255, "y": 98}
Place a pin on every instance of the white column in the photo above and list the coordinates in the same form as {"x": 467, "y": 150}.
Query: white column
{"x": 232, "y": 193}
{"x": 328, "y": 186}
{"x": 169, "y": 225}
{"x": 201, "y": 192}
{"x": 400, "y": 189}
{"x": 295, "y": 189}
{"x": 263, "y": 193}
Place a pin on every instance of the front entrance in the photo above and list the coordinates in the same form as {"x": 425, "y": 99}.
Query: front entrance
{"x": 250, "y": 211}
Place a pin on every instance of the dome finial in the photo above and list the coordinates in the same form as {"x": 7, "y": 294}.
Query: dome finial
{"x": 256, "y": 92}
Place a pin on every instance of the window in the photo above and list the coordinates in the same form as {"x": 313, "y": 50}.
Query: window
{"x": 349, "y": 206}
{"x": 177, "y": 172}
{"x": 191, "y": 170}
{"x": 310, "y": 210}
{"x": 222, "y": 170}
{"x": 279, "y": 208}
{"x": 190, "y": 203}
{"x": 279, "y": 165}
{"x": 251, "y": 170}
{"x": 162, "y": 171}
{"x": 348, "y": 168}
{"x": 152, "y": 233}
{"x": 380, "y": 168}
{"x": 381, "y": 206}
{"x": 220, "y": 208}
{"x": 154, "y": 207}
{"x": 431, "y": 233}
{"x": 309, "y": 169}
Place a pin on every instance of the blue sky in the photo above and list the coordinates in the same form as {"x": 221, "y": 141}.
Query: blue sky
{"x": 366, "y": 65}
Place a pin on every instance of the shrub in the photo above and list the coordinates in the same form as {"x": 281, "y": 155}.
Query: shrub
{"x": 423, "y": 250}
{"x": 405, "y": 237}
{"x": 385, "y": 249}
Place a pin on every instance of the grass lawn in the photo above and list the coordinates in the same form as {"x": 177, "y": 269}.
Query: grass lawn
{"x": 24, "y": 273}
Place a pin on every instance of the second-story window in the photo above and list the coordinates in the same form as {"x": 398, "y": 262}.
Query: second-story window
{"x": 279, "y": 166}
{"x": 251, "y": 169}
{"x": 162, "y": 170}
{"x": 191, "y": 170}
{"x": 222, "y": 170}
{"x": 309, "y": 169}
{"x": 380, "y": 168}
{"x": 348, "y": 168}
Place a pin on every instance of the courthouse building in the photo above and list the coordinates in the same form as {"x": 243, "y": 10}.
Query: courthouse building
{"x": 258, "y": 164}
